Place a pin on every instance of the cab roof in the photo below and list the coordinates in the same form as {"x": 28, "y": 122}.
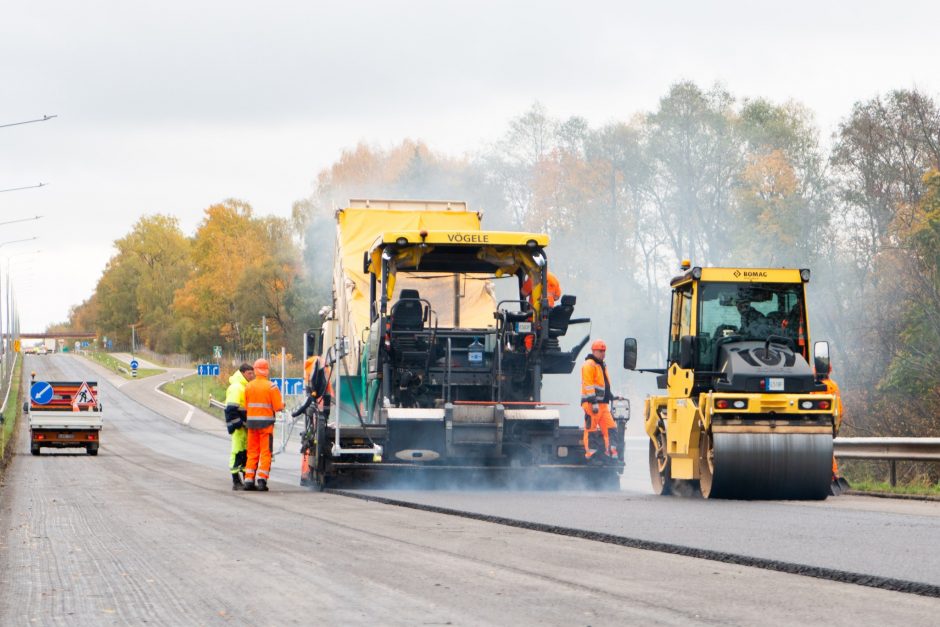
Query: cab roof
{"x": 462, "y": 238}
{"x": 743, "y": 275}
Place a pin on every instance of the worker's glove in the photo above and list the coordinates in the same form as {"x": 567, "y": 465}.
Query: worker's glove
{"x": 595, "y": 407}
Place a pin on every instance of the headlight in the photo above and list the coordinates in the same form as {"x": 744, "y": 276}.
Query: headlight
{"x": 740, "y": 404}
{"x": 806, "y": 404}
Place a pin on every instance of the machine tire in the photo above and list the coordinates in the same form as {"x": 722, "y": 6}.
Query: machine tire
{"x": 706, "y": 464}
{"x": 660, "y": 469}
{"x": 320, "y": 479}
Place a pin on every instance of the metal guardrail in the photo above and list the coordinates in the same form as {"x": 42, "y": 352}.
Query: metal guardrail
{"x": 891, "y": 450}
{"x": 216, "y": 404}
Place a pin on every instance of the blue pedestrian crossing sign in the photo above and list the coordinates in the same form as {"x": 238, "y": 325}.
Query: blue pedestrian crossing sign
{"x": 208, "y": 370}
{"x": 290, "y": 386}
{"x": 40, "y": 393}
{"x": 134, "y": 364}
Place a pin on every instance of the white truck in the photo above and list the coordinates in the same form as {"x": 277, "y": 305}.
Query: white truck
{"x": 64, "y": 414}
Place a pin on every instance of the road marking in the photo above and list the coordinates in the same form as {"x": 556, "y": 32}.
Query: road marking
{"x": 188, "y": 417}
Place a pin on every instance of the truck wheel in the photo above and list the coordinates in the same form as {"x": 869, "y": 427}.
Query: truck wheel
{"x": 34, "y": 449}
{"x": 92, "y": 449}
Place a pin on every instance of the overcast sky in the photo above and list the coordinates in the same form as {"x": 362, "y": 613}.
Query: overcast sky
{"x": 171, "y": 106}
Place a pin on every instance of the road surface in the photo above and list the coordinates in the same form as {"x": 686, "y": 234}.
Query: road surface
{"x": 150, "y": 532}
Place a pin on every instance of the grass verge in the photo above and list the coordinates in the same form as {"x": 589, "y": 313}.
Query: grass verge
{"x": 196, "y": 390}
{"x": 11, "y": 413}
{"x": 885, "y": 488}
{"x": 119, "y": 367}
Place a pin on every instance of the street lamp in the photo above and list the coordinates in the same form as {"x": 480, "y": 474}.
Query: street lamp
{"x": 17, "y": 241}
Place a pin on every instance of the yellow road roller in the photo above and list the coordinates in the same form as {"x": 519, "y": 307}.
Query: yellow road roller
{"x": 744, "y": 414}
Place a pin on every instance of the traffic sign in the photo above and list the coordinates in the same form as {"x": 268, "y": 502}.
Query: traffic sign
{"x": 134, "y": 364}
{"x": 40, "y": 393}
{"x": 83, "y": 396}
{"x": 208, "y": 370}
{"x": 290, "y": 386}
{"x": 217, "y": 352}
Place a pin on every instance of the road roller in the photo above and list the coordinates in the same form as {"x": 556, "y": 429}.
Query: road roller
{"x": 744, "y": 414}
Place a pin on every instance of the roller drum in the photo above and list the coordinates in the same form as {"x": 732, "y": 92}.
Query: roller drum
{"x": 771, "y": 465}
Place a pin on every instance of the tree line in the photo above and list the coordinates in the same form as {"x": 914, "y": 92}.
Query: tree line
{"x": 188, "y": 294}
{"x": 705, "y": 176}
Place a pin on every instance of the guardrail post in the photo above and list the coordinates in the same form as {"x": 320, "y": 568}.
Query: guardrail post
{"x": 893, "y": 479}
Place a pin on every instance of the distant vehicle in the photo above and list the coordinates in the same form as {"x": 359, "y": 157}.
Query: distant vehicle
{"x": 30, "y": 350}
{"x": 64, "y": 414}
{"x": 42, "y": 350}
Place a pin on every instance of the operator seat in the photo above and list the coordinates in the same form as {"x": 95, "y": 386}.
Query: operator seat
{"x": 408, "y": 313}
{"x": 560, "y": 315}
{"x": 407, "y": 324}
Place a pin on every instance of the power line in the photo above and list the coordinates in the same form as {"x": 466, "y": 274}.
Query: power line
{"x": 42, "y": 119}
{"x": 15, "y": 189}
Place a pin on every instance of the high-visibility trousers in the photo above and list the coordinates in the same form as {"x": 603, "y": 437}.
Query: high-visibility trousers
{"x": 239, "y": 453}
{"x": 601, "y": 421}
{"x": 259, "y": 453}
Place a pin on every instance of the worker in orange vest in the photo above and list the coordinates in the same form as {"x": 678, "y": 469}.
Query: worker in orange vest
{"x": 553, "y": 291}
{"x": 319, "y": 396}
{"x": 262, "y": 401}
{"x": 595, "y": 400}
{"x": 833, "y": 388}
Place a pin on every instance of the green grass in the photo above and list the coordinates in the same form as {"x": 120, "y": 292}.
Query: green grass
{"x": 12, "y": 409}
{"x": 195, "y": 390}
{"x": 884, "y": 486}
{"x": 116, "y": 365}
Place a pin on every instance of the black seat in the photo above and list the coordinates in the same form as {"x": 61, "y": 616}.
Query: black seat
{"x": 560, "y": 316}
{"x": 408, "y": 313}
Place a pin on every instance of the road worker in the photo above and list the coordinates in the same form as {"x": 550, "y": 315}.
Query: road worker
{"x": 262, "y": 401}
{"x": 553, "y": 291}
{"x": 319, "y": 398}
{"x": 833, "y": 388}
{"x": 595, "y": 400}
{"x": 235, "y": 416}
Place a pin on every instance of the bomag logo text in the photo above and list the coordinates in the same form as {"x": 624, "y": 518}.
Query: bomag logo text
{"x": 468, "y": 238}
{"x": 751, "y": 274}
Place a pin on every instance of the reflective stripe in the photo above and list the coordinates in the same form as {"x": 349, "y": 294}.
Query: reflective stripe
{"x": 259, "y": 423}
{"x": 261, "y": 405}
{"x": 588, "y": 399}
{"x": 263, "y": 475}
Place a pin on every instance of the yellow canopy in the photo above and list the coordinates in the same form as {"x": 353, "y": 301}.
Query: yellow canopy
{"x": 357, "y": 230}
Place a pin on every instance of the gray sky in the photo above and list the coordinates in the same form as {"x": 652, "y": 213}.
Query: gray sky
{"x": 170, "y": 106}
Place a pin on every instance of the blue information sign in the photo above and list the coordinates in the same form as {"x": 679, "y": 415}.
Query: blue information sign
{"x": 290, "y": 387}
{"x": 40, "y": 393}
{"x": 208, "y": 370}
{"x": 134, "y": 364}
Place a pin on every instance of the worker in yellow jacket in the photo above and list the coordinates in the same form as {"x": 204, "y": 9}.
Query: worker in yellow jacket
{"x": 262, "y": 401}
{"x": 235, "y": 417}
{"x": 595, "y": 400}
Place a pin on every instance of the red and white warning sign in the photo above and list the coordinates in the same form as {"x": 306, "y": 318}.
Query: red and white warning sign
{"x": 84, "y": 396}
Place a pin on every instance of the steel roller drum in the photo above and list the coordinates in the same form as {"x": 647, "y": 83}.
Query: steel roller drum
{"x": 771, "y": 465}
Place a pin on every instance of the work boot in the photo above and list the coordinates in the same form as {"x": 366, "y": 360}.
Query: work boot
{"x": 237, "y": 481}
{"x": 262, "y": 485}
{"x": 250, "y": 486}
{"x": 612, "y": 453}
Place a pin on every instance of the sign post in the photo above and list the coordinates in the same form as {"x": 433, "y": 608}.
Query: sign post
{"x": 134, "y": 364}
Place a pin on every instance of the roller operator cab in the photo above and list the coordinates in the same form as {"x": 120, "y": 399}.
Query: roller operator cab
{"x": 441, "y": 335}
{"x": 744, "y": 414}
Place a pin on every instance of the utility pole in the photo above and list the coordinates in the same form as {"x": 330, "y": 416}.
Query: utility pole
{"x": 264, "y": 337}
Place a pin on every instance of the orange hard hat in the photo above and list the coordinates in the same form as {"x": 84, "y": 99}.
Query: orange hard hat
{"x": 261, "y": 367}
{"x": 598, "y": 345}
